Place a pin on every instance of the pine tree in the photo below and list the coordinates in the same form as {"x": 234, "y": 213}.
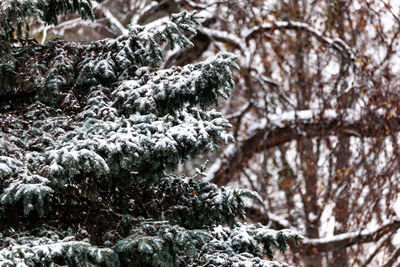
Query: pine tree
{"x": 88, "y": 134}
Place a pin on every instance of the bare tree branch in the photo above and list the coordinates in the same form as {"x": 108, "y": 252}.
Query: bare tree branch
{"x": 348, "y": 239}
{"x": 379, "y": 245}
{"x": 113, "y": 20}
{"x": 222, "y": 36}
{"x": 268, "y": 135}
{"x": 393, "y": 258}
{"x": 337, "y": 43}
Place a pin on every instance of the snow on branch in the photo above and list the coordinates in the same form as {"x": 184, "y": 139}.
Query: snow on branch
{"x": 223, "y": 36}
{"x": 393, "y": 259}
{"x": 241, "y": 43}
{"x": 347, "y": 239}
{"x": 281, "y": 128}
{"x": 28, "y": 251}
{"x": 381, "y": 243}
{"x": 237, "y": 42}
{"x": 198, "y": 84}
{"x": 223, "y": 246}
{"x": 204, "y": 6}
{"x": 337, "y": 43}
{"x": 113, "y": 20}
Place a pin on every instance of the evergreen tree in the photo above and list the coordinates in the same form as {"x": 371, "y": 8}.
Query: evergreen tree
{"x": 87, "y": 135}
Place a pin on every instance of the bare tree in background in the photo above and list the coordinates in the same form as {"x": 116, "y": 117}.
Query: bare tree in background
{"x": 315, "y": 113}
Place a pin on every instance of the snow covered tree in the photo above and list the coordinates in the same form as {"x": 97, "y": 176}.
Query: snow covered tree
{"x": 314, "y": 113}
{"x": 88, "y": 134}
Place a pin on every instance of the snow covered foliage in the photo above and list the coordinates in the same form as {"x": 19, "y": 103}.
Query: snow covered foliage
{"x": 44, "y": 251}
{"x": 87, "y": 133}
{"x": 221, "y": 246}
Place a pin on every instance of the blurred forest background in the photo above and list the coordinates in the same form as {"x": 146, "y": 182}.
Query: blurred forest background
{"x": 315, "y": 113}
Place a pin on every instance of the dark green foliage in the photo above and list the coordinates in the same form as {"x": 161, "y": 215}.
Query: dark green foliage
{"x": 157, "y": 244}
{"x": 190, "y": 203}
